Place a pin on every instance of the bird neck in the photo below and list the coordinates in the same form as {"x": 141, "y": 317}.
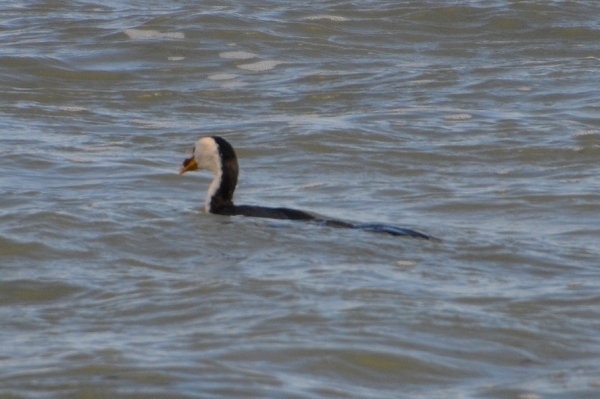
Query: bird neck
{"x": 220, "y": 193}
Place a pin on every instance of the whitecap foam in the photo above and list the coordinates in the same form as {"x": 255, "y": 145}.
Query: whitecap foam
{"x": 260, "y": 65}
{"x": 222, "y": 76}
{"x": 237, "y": 55}
{"x": 406, "y": 264}
{"x": 457, "y": 117}
{"x": 176, "y": 58}
{"x": 151, "y": 124}
{"x": 589, "y": 132}
{"x": 149, "y": 34}
{"x": 335, "y": 18}
{"x": 423, "y": 81}
{"x": 73, "y": 109}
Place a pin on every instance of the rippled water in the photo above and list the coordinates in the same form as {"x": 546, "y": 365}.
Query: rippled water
{"x": 475, "y": 121}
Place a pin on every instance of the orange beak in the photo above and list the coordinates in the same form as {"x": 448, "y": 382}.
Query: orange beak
{"x": 188, "y": 164}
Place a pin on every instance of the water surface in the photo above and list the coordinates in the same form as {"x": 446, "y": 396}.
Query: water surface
{"x": 474, "y": 121}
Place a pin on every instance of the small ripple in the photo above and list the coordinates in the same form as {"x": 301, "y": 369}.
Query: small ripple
{"x": 260, "y": 65}
{"x": 237, "y": 55}
{"x": 10, "y": 247}
{"x": 103, "y": 148}
{"x": 149, "y": 34}
{"x": 73, "y": 109}
{"x": 19, "y": 291}
{"x": 232, "y": 85}
{"x": 530, "y": 396}
{"x": 335, "y": 18}
{"x": 458, "y": 117}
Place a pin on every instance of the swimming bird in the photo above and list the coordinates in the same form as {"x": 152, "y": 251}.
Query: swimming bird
{"x": 215, "y": 154}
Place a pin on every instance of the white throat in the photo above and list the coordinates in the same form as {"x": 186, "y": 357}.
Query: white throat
{"x": 212, "y": 189}
{"x": 207, "y": 156}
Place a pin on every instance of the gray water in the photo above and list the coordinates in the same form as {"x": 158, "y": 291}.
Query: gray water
{"x": 477, "y": 122}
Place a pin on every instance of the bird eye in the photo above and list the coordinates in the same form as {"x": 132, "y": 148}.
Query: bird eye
{"x": 186, "y": 162}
